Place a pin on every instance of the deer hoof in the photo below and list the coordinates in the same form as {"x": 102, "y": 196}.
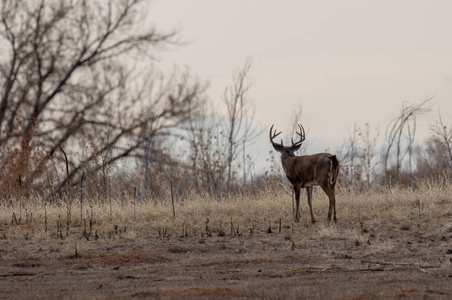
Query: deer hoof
{"x": 313, "y": 221}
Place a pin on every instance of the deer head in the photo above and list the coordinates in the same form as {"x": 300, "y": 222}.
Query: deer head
{"x": 295, "y": 145}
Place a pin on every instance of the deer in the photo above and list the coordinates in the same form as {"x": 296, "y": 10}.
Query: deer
{"x": 307, "y": 171}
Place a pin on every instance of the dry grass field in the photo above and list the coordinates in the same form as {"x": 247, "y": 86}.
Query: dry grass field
{"x": 393, "y": 243}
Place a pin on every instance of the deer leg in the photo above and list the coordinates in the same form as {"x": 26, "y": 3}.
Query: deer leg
{"x": 332, "y": 209}
{"x": 309, "y": 192}
{"x": 297, "y": 203}
{"x": 332, "y": 203}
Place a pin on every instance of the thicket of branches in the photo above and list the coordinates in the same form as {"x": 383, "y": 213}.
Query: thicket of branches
{"x": 68, "y": 80}
{"x": 80, "y": 76}
{"x": 400, "y": 161}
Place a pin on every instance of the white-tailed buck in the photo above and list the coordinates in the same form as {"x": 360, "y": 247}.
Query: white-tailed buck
{"x": 307, "y": 171}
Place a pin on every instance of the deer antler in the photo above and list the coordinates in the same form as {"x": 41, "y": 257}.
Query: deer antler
{"x": 302, "y": 136}
{"x": 272, "y": 136}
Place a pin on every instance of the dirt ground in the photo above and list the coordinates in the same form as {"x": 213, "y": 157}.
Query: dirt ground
{"x": 314, "y": 261}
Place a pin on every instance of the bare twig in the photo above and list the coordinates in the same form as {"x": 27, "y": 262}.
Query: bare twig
{"x": 172, "y": 200}
{"x": 69, "y": 199}
{"x": 81, "y": 197}
{"x": 20, "y": 200}
{"x": 67, "y": 170}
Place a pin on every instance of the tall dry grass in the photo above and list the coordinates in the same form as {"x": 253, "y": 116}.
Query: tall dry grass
{"x": 428, "y": 206}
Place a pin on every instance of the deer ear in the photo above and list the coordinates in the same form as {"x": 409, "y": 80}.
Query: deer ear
{"x": 278, "y": 147}
{"x": 295, "y": 148}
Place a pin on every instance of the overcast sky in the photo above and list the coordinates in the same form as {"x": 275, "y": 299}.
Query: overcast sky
{"x": 344, "y": 62}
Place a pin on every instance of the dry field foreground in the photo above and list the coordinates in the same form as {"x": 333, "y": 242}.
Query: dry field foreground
{"x": 396, "y": 243}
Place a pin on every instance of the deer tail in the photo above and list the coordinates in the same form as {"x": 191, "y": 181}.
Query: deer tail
{"x": 334, "y": 169}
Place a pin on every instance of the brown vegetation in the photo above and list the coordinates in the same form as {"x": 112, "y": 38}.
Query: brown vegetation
{"x": 391, "y": 243}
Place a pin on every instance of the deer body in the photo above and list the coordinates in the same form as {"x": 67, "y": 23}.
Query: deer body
{"x": 307, "y": 171}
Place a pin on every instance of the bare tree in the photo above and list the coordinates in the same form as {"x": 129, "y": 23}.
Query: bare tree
{"x": 351, "y": 152}
{"x": 367, "y": 158}
{"x": 443, "y": 140}
{"x": 238, "y": 127}
{"x": 433, "y": 161}
{"x": 294, "y": 119}
{"x": 358, "y": 157}
{"x": 185, "y": 100}
{"x": 212, "y": 168}
{"x": 66, "y": 76}
{"x": 405, "y": 123}
{"x": 195, "y": 126}
{"x": 207, "y": 165}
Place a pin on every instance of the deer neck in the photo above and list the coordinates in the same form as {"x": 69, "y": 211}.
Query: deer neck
{"x": 286, "y": 159}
